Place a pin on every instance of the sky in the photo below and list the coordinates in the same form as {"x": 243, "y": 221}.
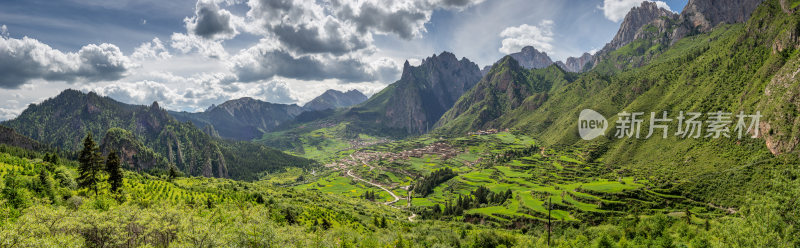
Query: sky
{"x": 189, "y": 54}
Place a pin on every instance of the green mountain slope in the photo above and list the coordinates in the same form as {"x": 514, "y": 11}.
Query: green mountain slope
{"x": 241, "y": 119}
{"x": 507, "y": 87}
{"x": 743, "y": 67}
{"x": 150, "y": 137}
{"x": 10, "y": 137}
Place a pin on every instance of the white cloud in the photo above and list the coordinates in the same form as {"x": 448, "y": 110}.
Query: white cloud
{"x": 266, "y": 61}
{"x": 187, "y": 43}
{"x": 22, "y": 60}
{"x": 615, "y": 10}
{"x": 144, "y": 92}
{"x": 6, "y": 113}
{"x": 151, "y": 50}
{"x": 4, "y": 31}
{"x": 540, "y": 37}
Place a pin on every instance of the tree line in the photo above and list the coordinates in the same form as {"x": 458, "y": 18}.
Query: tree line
{"x": 480, "y": 197}
{"x": 427, "y": 184}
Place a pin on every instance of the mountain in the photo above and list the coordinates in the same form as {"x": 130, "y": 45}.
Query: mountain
{"x": 740, "y": 68}
{"x": 333, "y": 99}
{"x": 507, "y": 86}
{"x": 657, "y": 28}
{"x": 10, "y": 137}
{"x": 413, "y": 104}
{"x": 241, "y": 119}
{"x": 577, "y": 64}
{"x": 647, "y": 13}
{"x": 149, "y": 138}
{"x": 530, "y": 58}
{"x": 703, "y": 15}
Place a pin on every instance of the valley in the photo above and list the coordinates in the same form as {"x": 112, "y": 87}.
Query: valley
{"x": 444, "y": 155}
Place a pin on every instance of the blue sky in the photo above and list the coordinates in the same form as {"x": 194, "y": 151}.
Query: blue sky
{"x": 188, "y": 54}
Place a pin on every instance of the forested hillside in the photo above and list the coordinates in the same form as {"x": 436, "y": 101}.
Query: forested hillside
{"x": 150, "y": 139}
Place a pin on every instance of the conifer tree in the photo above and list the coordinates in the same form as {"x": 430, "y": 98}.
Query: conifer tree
{"x": 114, "y": 171}
{"x": 90, "y": 164}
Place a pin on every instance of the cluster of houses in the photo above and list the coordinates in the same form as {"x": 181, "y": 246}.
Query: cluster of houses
{"x": 487, "y": 132}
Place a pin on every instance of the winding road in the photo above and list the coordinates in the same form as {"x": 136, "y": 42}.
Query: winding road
{"x": 396, "y": 198}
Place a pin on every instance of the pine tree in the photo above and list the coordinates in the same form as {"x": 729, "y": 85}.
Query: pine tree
{"x": 90, "y": 164}
{"x": 173, "y": 173}
{"x": 46, "y": 185}
{"x": 114, "y": 171}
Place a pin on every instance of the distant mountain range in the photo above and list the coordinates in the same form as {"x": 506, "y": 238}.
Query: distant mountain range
{"x": 247, "y": 118}
{"x": 333, "y": 99}
{"x": 147, "y": 136}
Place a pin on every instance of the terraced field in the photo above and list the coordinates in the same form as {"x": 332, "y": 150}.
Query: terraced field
{"x": 579, "y": 190}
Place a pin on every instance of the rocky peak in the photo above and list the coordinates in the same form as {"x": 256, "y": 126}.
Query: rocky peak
{"x": 703, "y": 15}
{"x": 578, "y": 64}
{"x": 425, "y": 92}
{"x": 637, "y": 18}
{"x": 530, "y": 58}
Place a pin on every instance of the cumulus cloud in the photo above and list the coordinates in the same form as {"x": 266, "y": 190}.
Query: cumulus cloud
{"x": 266, "y": 61}
{"x": 151, "y": 50}
{"x": 22, "y": 60}
{"x": 615, "y": 10}
{"x": 540, "y": 37}
{"x": 273, "y": 91}
{"x": 406, "y": 19}
{"x": 330, "y": 37}
{"x": 211, "y": 22}
{"x": 4, "y": 31}
{"x": 405, "y": 23}
{"x": 304, "y": 27}
{"x": 187, "y": 43}
{"x": 144, "y": 92}
{"x": 262, "y": 62}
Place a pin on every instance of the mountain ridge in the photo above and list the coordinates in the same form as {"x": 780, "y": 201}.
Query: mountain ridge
{"x": 152, "y": 139}
{"x": 333, "y": 99}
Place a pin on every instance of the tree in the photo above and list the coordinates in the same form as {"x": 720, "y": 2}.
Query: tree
{"x": 45, "y": 185}
{"x": 173, "y": 173}
{"x": 14, "y": 192}
{"x": 114, "y": 171}
{"x": 90, "y": 164}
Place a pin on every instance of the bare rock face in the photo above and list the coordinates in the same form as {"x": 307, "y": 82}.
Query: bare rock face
{"x": 632, "y": 28}
{"x": 779, "y": 126}
{"x": 650, "y": 22}
{"x": 637, "y": 18}
{"x": 530, "y": 58}
{"x": 425, "y": 92}
{"x": 703, "y": 15}
{"x": 576, "y": 64}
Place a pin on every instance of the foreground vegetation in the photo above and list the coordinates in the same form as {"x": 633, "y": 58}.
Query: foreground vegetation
{"x": 50, "y": 210}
